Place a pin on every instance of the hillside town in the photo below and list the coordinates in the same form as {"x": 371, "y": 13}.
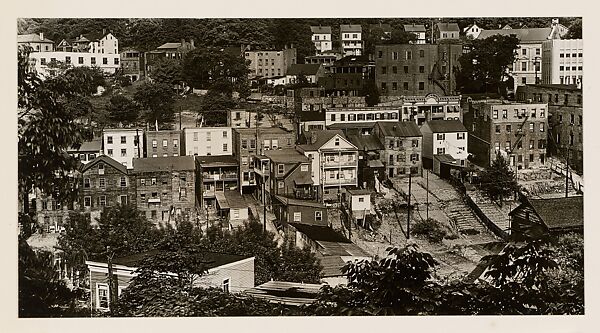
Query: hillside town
{"x": 252, "y": 179}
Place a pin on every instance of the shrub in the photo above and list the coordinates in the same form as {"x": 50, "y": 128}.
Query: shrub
{"x": 431, "y": 229}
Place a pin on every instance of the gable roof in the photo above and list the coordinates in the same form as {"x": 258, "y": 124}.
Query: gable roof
{"x": 320, "y": 233}
{"x": 32, "y": 38}
{"x": 399, "y": 129}
{"x": 306, "y": 69}
{"x": 445, "y": 126}
{"x": 558, "y": 213}
{"x": 153, "y": 164}
{"x": 445, "y": 26}
{"x": 414, "y": 28}
{"x": 320, "y": 30}
{"x": 321, "y": 137}
{"x": 350, "y": 28}
{"x": 94, "y": 145}
{"x": 365, "y": 142}
{"x": 288, "y": 155}
{"x": 103, "y": 158}
{"x": 169, "y": 46}
{"x": 524, "y": 35}
{"x": 211, "y": 259}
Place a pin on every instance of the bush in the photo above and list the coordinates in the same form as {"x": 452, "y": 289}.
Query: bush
{"x": 431, "y": 229}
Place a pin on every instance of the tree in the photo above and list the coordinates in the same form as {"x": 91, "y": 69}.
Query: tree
{"x": 204, "y": 67}
{"x": 156, "y": 101}
{"x": 486, "y": 67}
{"x": 214, "y": 107}
{"x": 399, "y": 36}
{"x": 575, "y": 30}
{"x": 167, "y": 71}
{"x": 47, "y": 128}
{"x": 371, "y": 92}
{"x": 41, "y": 291}
{"x": 122, "y": 109}
{"x": 498, "y": 181}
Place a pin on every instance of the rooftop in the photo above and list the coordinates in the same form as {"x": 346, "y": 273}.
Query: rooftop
{"x": 170, "y": 163}
{"x": 318, "y": 138}
{"x": 414, "y": 28}
{"x": 94, "y": 145}
{"x": 288, "y": 293}
{"x": 298, "y": 202}
{"x": 305, "y": 69}
{"x": 32, "y": 38}
{"x": 103, "y": 158}
{"x": 360, "y": 191}
{"x": 262, "y": 130}
{"x": 350, "y": 28}
{"x": 217, "y": 161}
{"x": 446, "y": 26}
{"x": 560, "y": 213}
{"x": 289, "y": 155}
{"x": 320, "y": 30}
{"x": 445, "y": 126}
{"x": 365, "y": 142}
{"x": 570, "y": 87}
{"x": 230, "y": 199}
{"x": 169, "y": 46}
{"x": 399, "y": 129}
{"x": 524, "y": 35}
{"x": 320, "y": 233}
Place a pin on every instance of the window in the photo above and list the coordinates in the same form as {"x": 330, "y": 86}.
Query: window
{"x": 415, "y": 143}
{"x": 123, "y": 152}
{"x": 116, "y": 61}
{"x": 504, "y": 114}
{"x": 408, "y": 55}
{"x": 421, "y": 69}
{"x": 318, "y": 215}
{"x": 332, "y": 117}
{"x": 566, "y": 99}
{"x": 109, "y": 139}
{"x": 541, "y": 127}
{"x": 531, "y": 158}
{"x": 421, "y": 85}
{"x": 414, "y": 157}
{"x": 226, "y": 285}
{"x": 337, "y": 141}
{"x": 297, "y": 216}
{"x": 86, "y": 183}
{"x": 109, "y": 152}
{"x": 175, "y": 143}
{"x": 87, "y": 201}
{"x": 154, "y": 143}
{"x": 80, "y": 60}
{"x": 67, "y": 59}
{"x": 304, "y": 167}
{"x": 105, "y": 61}
{"x": 405, "y": 69}
{"x": 395, "y": 69}
{"x": 542, "y": 114}
{"x": 153, "y": 214}
{"x": 383, "y": 70}
{"x": 496, "y": 145}
{"x": 394, "y": 85}
{"x": 421, "y": 53}
{"x": 508, "y": 128}
{"x": 531, "y": 144}
{"x": 495, "y": 114}
{"x": 252, "y": 143}
{"x": 524, "y": 80}
{"x": 195, "y": 136}
{"x": 537, "y": 51}
{"x": 395, "y": 55}
{"x": 380, "y": 54}
{"x": 280, "y": 168}
{"x": 524, "y": 66}
{"x": 507, "y": 146}
{"x": 102, "y": 182}
{"x": 524, "y": 51}
{"x": 123, "y": 182}
{"x": 441, "y": 136}
{"x": 531, "y": 127}
{"x": 405, "y": 85}
{"x": 441, "y": 151}
{"x": 102, "y": 200}
{"x": 224, "y": 147}
{"x": 102, "y": 296}
{"x": 207, "y": 136}
{"x": 165, "y": 143}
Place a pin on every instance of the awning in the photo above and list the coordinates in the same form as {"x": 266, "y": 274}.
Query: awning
{"x": 445, "y": 158}
{"x": 375, "y": 164}
{"x": 221, "y": 200}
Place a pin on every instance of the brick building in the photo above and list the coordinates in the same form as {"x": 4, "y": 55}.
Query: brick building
{"x": 423, "y": 108}
{"x": 402, "y": 144}
{"x": 132, "y": 64}
{"x": 565, "y": 118}
{"x": 349, "y": 75}
{"x": 105, "y": 183}
{"x": 562, "y": 62}
{"x": 270, "y": 63}
{"x": 251, "y": 142}
{"x": 518, "y": 131}
{"x": 164, "y": 143}
{"x": 166, "y": 186}
{"x": 416, "y": 69}
{"x": 289, "y": 210}
{"x": 207, "y": 141}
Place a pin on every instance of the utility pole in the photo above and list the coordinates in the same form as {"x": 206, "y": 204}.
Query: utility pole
{"x": 264, "y": 204}
{"x": 137, "y": 138}
{"x": 112, "y": 293}
{"x": 567, "y": 177}
{"x": 408, "y": 215}
{"x": 427, "y": 205}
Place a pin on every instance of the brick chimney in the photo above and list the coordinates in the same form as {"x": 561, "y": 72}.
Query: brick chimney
{"x": 41, "y": 36}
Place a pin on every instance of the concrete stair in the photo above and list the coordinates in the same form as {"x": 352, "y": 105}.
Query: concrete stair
{"x": 491, "y": 210}
{"x": 466, "y": 221}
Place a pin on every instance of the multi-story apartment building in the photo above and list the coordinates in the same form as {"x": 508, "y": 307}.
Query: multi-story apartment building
{"x": 565, "y": 119}
{"x": 166, "y": 187}
{"x": 416, "y": 69}
{"x": 105, "y": 183}
{"x": 402, "y": 144}
{"x": 351, "y": 38}
{"x": 310, "y": 105}
{"x": 418, "y": 30}
{"x": 336, "y": 115}
{"x": 105, "y": 43}
{"x": 422, "y": 108}
{"x": 108, "y": 63}
{"x": 562, "y": 61}
{"x": 37, "y": 42}
{"x": 163, "y": 143}
{"x": 207, "y": 141}
{"x": 289, "y": 175}
{"x": 518, "y": 131}
{"x": 527, "y": 67}
{"x": 132, "y": 64}
{"x": 334, "y": 163}
{"x": 270, "y": 63}
{"x": 321, "y": 37}
{"x": 123, "y": 144}
{"x": 349, "y": 75}
{"x": 446, "y": 31}
{"x": 444, "y": 137}
{"x": 217, "y": 174}
{"x": 251, "y": 142}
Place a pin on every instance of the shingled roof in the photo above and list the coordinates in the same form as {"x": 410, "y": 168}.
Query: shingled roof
{"x": 524, "y": 35}
{"x": 399, "y": 129}
{"x": 350, "y": 28}
{"x": 103, "y": 158}
{"x": 154, "y": 164}
{"x": 414, "y": 28}
{"x": 448, "y": 26}
{"x": 32, "y": 38}
{"x": 445, "y": 126}
{"x": 560, "y": 213}
{"x": 320, "y": 30}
